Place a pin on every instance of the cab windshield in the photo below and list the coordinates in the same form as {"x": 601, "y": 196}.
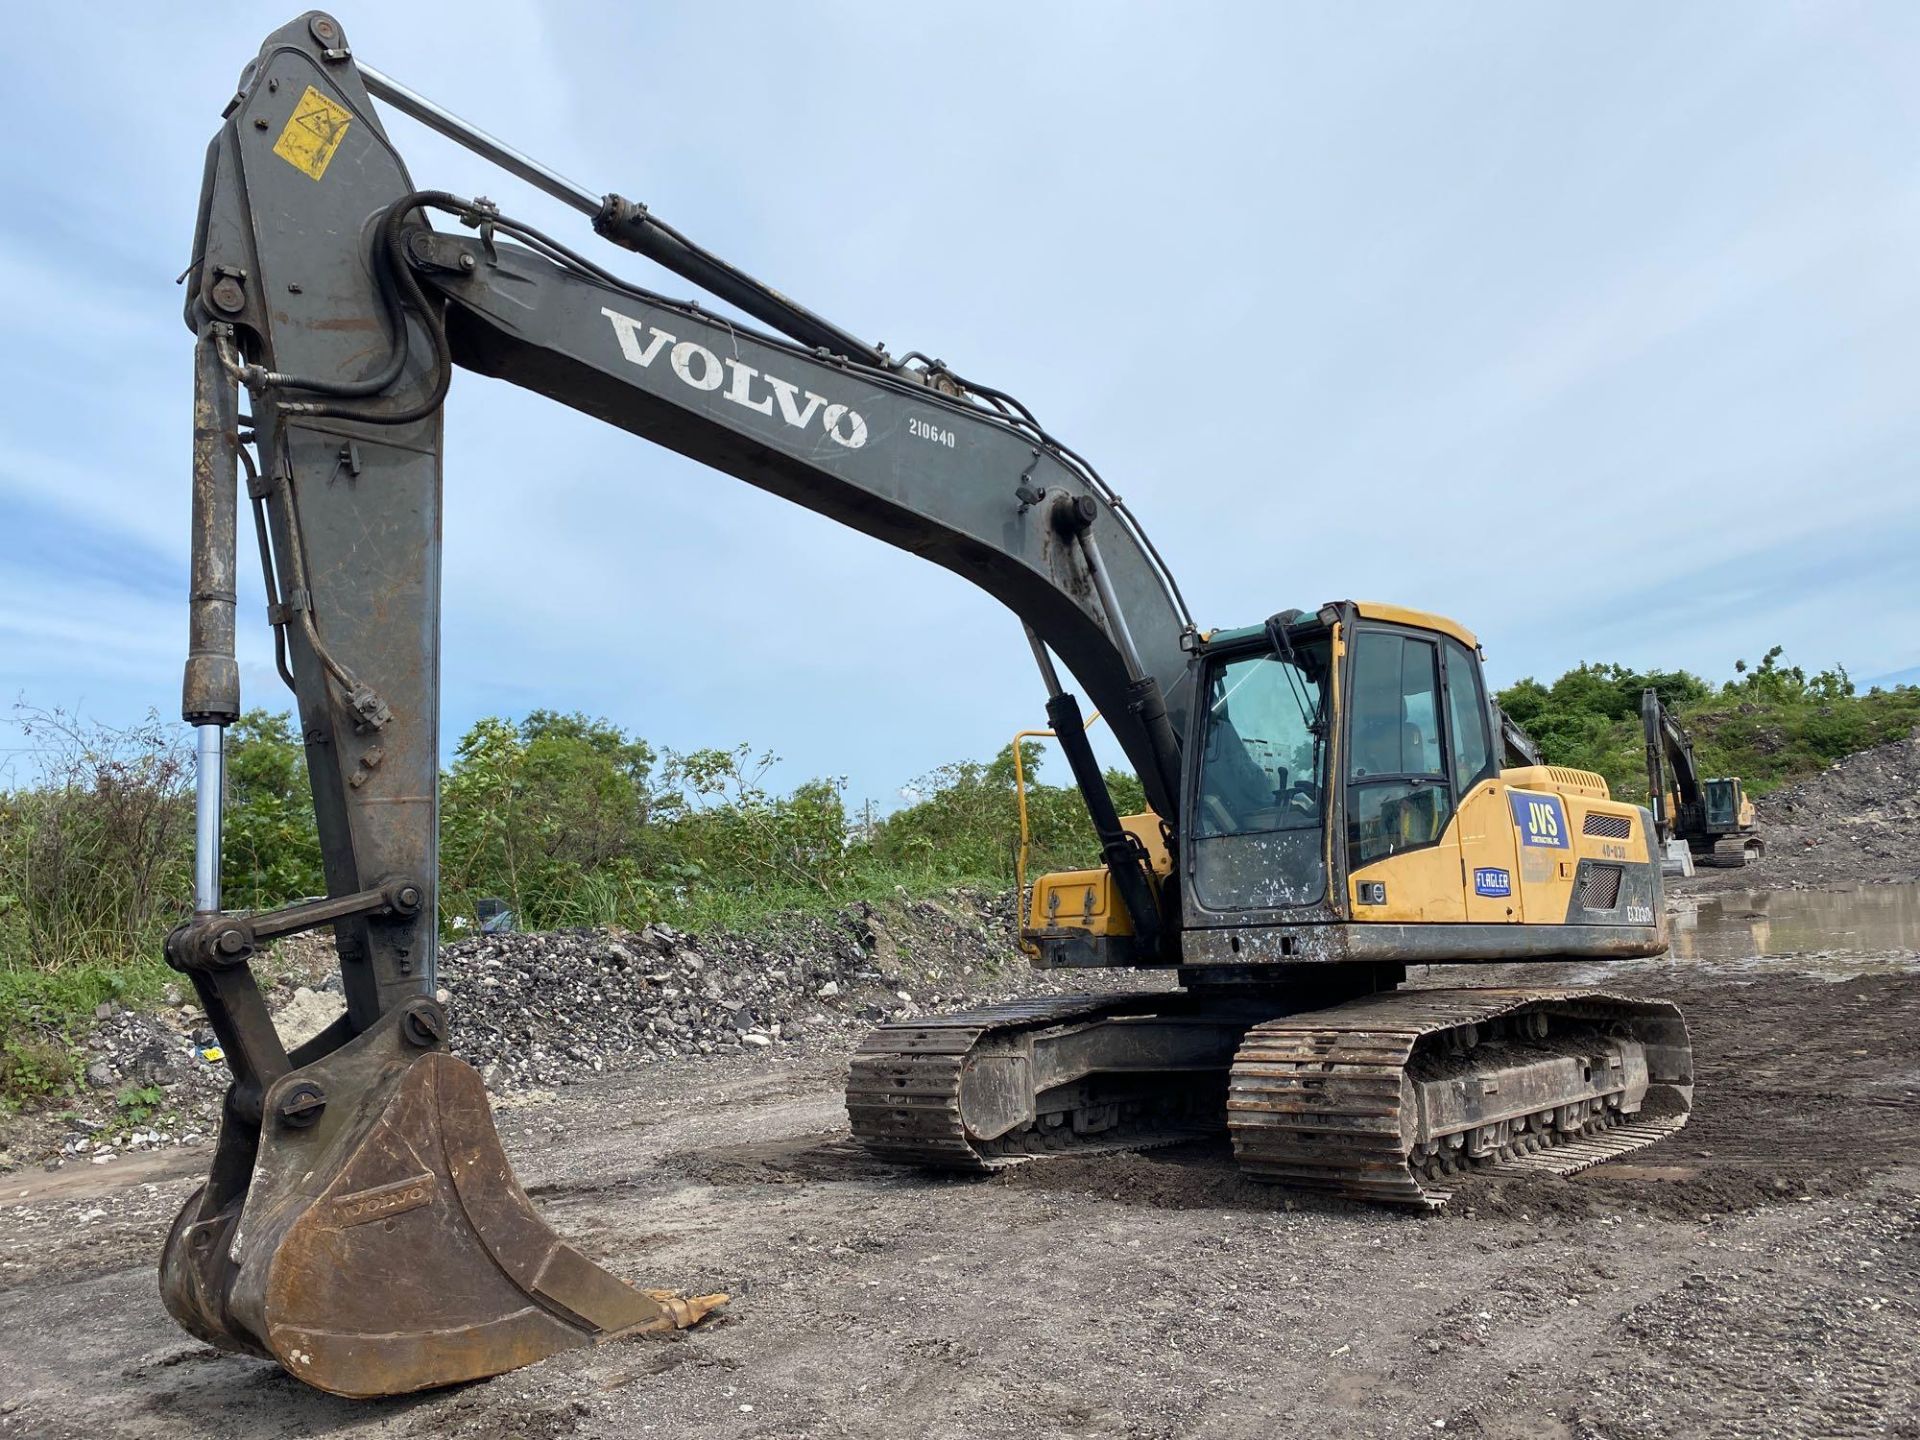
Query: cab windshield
{"x": 1257, "y": 831}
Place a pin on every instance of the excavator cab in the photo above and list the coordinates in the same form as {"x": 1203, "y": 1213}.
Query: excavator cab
{"x": 1346, "y": 802}
{"x": 1723, "y": 805}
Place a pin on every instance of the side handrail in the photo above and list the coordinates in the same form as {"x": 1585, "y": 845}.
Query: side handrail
{"x": 1024, "y": 850}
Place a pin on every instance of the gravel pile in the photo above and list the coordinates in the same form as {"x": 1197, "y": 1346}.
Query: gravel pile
{"x": 1857, "y": 821}
{"x": 146, "y": 1087}
{"x": 550, "y": 1009}
{"x": 546, "y": 1009}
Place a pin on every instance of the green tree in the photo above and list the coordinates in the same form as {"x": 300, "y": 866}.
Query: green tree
{"x": 548, "y": 815}
{"x": 270, "y": 853}
{"x": 1772, "y": 682}
{"x": 728, "y": 831}
{"x": 965, "y": 820}
{"x": 1770, "y": 724}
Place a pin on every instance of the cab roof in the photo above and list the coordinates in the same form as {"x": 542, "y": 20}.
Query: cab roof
{"x": 1368, "y": 610}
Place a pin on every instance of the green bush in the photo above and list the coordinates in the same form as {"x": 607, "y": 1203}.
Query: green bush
{"x": 965, "y": 820}
{"x": 138, "y": 1103}
{"x": 96, "y": 856}
{"x": 549, "y": 815}
{"x": 35, "y": 1063}
{"x": 1772, "y": 724}
{"x": 270, "y": 848}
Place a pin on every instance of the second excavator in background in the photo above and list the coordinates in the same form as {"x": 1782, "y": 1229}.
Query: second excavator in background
{"x": 1699, "y": 820}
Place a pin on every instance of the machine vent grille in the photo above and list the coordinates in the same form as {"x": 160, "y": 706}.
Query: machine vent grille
{"x": 1601, "y": 889}
{"x": 1613, "y": 827}
{"x": 1579, "y": 782}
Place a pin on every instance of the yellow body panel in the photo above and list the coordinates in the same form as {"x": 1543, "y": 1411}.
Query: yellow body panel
{"x": 1086, "y": 899}
{"x": 1437, "y": 882}
{"x": 1576, "y": 784}
{"x": 1485, "y": 826}
{"x": 1417, "y": 619}
{"x": 1422, "y": 884}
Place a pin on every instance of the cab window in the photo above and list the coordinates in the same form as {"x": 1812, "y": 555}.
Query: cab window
{"x": 1257, "y": 827}
{"x": 1397, "y": 793}
{"x": 1468, "y": 723}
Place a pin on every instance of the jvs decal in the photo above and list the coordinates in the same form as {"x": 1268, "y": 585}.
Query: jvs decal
{"x": 1492, "y": 882}
{"x": 1542, "y": 819}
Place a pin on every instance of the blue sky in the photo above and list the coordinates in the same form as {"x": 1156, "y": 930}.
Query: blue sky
{"x": 1597, "y": 327}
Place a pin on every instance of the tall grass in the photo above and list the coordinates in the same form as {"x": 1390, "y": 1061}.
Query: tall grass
{"x": 95, "y": 866}
{"x": 95, "y": 856}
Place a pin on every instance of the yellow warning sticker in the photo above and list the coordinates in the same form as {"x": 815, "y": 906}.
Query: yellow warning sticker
{"x": 313, "y": 134}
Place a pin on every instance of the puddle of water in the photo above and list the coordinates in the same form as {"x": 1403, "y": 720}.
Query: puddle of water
{"x": 1860, "y": 930}
{"x": 1824, "y": 934}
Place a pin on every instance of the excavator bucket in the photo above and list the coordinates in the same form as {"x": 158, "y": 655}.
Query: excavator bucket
{"x": 381, "y": 1244}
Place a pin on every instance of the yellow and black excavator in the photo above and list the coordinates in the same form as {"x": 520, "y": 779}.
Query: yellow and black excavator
{"x": 1327, "y": 795}
{"x": 1698, "y": 820}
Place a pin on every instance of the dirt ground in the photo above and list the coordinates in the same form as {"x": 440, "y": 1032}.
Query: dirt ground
{"x": 1755, "y": 1275}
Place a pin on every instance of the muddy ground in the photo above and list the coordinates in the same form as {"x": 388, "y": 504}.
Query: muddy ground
{"x": 1755, "y": 1275}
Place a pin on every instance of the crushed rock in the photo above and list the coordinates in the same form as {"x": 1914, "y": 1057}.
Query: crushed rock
{"x": 306, "y": 1014}
{"x": 1856, "y": 822}
{"x": 540, "y": 1010}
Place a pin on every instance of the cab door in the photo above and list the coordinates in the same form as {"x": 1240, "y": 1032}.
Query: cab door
{"x": 1403, "y": 854}
{"x": 1488, "y": 850}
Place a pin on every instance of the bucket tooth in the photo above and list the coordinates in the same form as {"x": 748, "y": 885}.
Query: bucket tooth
{"x": 384, "y": 1245}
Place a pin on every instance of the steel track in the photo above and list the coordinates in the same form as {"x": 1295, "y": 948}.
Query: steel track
{"x": 1316, "y": 1100}
{"x": 1313, "y": 1101}
{"x": 903, "y": 1095}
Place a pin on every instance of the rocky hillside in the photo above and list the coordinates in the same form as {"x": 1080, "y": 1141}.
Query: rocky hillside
{"x": 535, "y": 1011}
{"x": 1856, "y": 821}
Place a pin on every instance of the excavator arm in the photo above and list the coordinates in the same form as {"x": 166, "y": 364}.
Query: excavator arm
{"x": 361, "y": 1223}
{"x": 1709, "y": 817}
{"x": 1669, "y": 749}
{"x": 1516, "y": 746}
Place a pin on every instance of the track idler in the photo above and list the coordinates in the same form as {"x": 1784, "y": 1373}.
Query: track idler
{"x": 377, "y": 1242}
